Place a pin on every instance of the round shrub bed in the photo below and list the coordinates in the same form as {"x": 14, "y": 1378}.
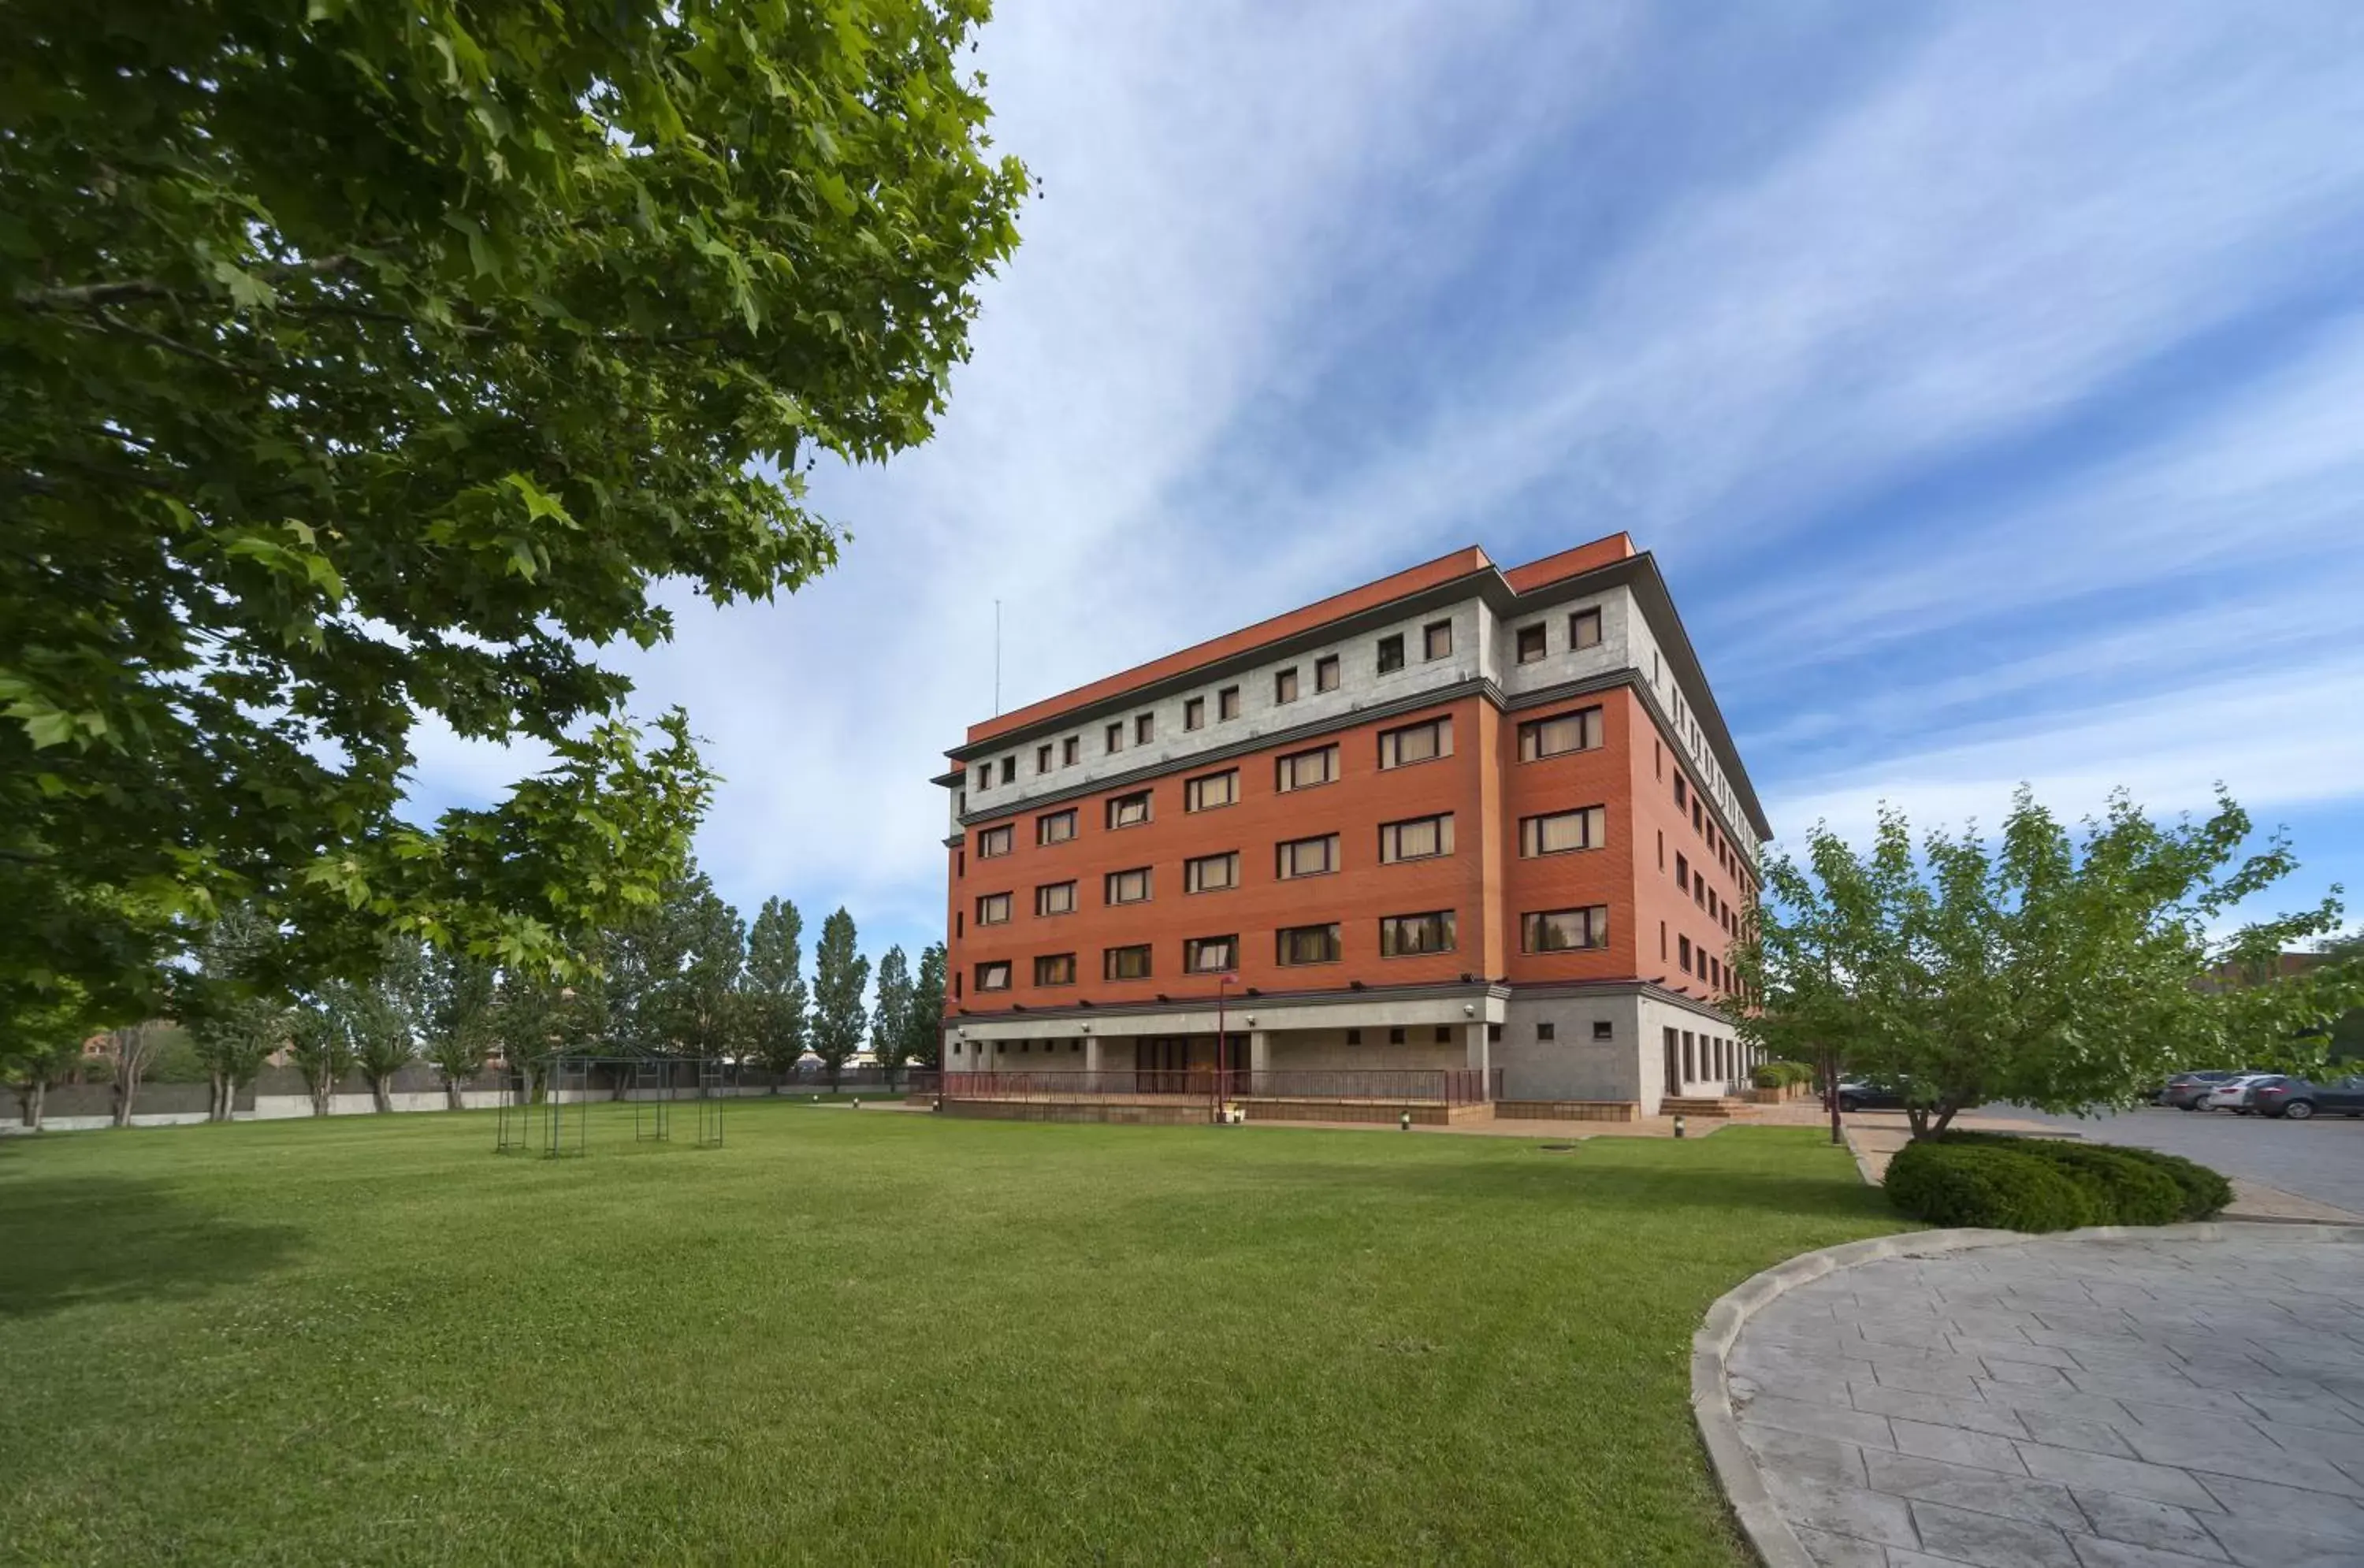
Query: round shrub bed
{"x": 2038, "y": 1184}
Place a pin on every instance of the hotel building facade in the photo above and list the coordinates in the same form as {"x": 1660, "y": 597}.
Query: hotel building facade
{"x": 1464, "y": 833}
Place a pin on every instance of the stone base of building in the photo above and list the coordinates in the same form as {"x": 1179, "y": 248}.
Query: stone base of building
{"x": 1196, "y": 1113}
{"x": 1568, "y": 1110}
{"x": 1364, "y": 1111}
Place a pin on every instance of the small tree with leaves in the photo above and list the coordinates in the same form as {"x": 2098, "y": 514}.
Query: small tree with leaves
{"x": 459, "y": 1025}
{"x": 774, "y": 986}
{"x": 234, "y": 1024}
{"x": 45, "y": 1050}
{"x": 839, "y": 973}
{"x": 924, "y": 1020}
{"x": 2043, "y": 971}
{"x": 320, "y": 1042}
{"x": 890, "y": 1020}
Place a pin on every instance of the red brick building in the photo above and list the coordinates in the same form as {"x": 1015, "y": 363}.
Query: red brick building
{"x": 1458, "y": 822}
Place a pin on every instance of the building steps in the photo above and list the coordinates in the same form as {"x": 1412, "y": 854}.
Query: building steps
{"x": 1720, "y": 1106}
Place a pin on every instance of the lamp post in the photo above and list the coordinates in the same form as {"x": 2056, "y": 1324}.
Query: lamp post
{"x": 1222, "y": 981}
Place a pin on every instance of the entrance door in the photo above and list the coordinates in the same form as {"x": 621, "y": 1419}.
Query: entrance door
{"x": 1161, "y": 1063}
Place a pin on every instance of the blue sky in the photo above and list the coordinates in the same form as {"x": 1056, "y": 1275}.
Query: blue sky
{"x": 1988, "y": 380}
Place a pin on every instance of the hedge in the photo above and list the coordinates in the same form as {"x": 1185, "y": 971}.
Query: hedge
{"x": 2036, "y": 1183}
{"x": 1781, "y": 1074}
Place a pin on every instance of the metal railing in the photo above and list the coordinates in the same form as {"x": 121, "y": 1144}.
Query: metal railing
{"x": 1434, "y": 1086}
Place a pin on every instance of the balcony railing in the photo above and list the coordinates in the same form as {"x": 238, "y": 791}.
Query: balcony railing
{"x": 1428, "y": 1086}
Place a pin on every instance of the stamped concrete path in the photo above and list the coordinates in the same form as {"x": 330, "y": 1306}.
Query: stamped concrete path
{"x": 2069, "y": 1403}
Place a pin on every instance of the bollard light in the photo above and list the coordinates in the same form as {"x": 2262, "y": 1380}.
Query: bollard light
{"x": 1406, "y": 1123}
{"x": 857, "y": 1102}
{"x": 1679, "y": 1126}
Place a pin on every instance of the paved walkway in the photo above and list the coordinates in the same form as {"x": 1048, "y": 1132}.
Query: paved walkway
{"x": 2069, "y": 1403}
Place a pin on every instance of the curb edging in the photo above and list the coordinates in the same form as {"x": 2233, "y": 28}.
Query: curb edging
{"x": 1775, "y": 1543}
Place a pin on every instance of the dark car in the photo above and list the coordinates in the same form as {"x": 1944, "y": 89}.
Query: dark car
{"x": 1870, "y": 1095}
{"x": 2297, "y": 1098}
{"x": 2183, "y": 1090}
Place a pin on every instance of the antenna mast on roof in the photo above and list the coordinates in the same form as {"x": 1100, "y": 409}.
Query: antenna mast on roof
{"x": 996, "y": 657}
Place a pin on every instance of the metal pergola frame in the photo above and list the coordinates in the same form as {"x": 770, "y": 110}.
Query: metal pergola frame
{"x": 557, "y": 1125}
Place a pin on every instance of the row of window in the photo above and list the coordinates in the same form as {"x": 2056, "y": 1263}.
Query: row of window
{"x": 1535, "y": 641}
{"x": 1400, "y": 936}
{"x": 1436, "y": 642}
{"x": 1414, "y": 839}
{"x": 1425, "y": 742}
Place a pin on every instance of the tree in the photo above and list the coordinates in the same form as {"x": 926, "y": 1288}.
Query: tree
{"x": 840, "y": 973}
{"x": 234, "y": 1029}
{"x": 924, "y": 1023}
{"x": 2042, "y": 971}
{"x": 320, "y": 1042}
{"x": 364, "y": 366}
{"x": 536, "y": 1013}
{"x": 130, "y": 1050}
{"x": 890, "y": 1022}
{"x": 45, "y": 1050}
{"x": 774, "y": 985}
{"x": 460, "y": 1024}
{"x": 385, "y": 1017}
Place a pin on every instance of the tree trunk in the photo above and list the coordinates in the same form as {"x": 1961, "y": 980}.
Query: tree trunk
{"x": 1919, "y": 1117}
{"x": 220, "y": 1092}
{"x": 381, "y": 1099}
{"x": 33, "y": 1097}
{"x": 452, "y": 1093}
{"x": 324, "y": 1089}
{"x": 1945, "y": 1120}
{"x": 127, "y": 1085}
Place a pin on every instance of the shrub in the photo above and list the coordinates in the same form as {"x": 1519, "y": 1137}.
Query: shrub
{"x": 2205, "y": 1193}
{"x": 2118, "y": 1185}
{"x": 1950, "y": 1181}
{"x": 2130, "y": 1191}
{"x": 1781, "y": 1074}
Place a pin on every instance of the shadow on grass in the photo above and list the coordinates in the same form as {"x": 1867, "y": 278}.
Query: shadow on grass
{"x": 87, "y": 1239}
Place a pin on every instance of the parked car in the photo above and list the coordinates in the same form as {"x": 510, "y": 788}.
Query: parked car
{"x": 1868, "y": 1095}
{"x": 2232, "y": 1095}
{"x": 2183, "y": 1090}
{"x": 2298, "y": 1099}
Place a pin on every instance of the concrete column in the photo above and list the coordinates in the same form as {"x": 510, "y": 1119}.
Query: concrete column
{"x": 1259, "y": 1050}
{"x": 1479, "y": 1048}
{"x": 1091, "y": 1053}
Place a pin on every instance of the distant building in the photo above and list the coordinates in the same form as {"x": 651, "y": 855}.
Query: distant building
{"x": 1460, "y": 817}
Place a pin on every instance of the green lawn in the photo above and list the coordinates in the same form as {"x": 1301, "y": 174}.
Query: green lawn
{"x": 889, "y": 1338}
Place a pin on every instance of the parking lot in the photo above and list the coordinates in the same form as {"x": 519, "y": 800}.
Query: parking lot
{"x": 2321, "y": 1158}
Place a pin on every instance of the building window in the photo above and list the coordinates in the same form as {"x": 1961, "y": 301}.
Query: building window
{"x": 1353, "y": 1037}
{"x": 1390, "y": 654}
{"x": 1227, "y": 703}
{"x": 1682, "y": 793}
{"x": 1577, "y": 732}
{"x": 1325, "y": 673}
{"x": 994, "y": 842}
{"x": 1211, "y": 874}
{"x": 1211, "y": 790}
{"x": 1128, "y": 810}
{"x": 1194, "y": 714}
{"x": 1042, "y": 758}
{"x": 1557, "y": 833}
{"x": 1309, "y": 857}
{"x": 1494, "y": 1034}
{"x": 1416, "y": 743}
{"x": 1128, "y": 886}
{"x": 1436, "y": 640}
{"x": 1304, "y": 770}
{"x": 1055, "y": 827}
{"x": 993, "y": 977}
{"x": 1697, "y": 821}
{"x": 1535, "y": 641}
{"x": 1008, "y": 769}
{"x": 1308, "y": 944}
{"x": 1584, "y": 629}
{"x": 1563, "y": 930}
{"x": 1547, "y": 1030}
{"x": 1056, "y": 968}
{"x": 1445, "y": 1034}
{"x": 1283, "y": 685}
{"x": 1126, "y": 963}
{"x": 1056, "y": 898}
{"x": 1071, "y": 750}
{"x": 1210, "y": 955}
{"x": 984, "y": 776}
{"x": 1683, "y": 953}
{"x": 1417, "y": 840}
{"x": 1400, "y": 936}
{"x": 1603, "y": 1029}
{"x": 1394, "y": 1037}
{"x": 1114, "y": 736}
{"x": 1145, "y": 729}
{"x": 993, "y": 909}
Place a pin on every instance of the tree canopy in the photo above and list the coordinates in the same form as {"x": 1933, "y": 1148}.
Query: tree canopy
{"x": 362, "y": 369}
{"x": 2046, "y": 970}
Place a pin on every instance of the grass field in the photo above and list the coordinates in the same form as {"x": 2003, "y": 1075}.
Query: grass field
{"x": 850, "y": 1337}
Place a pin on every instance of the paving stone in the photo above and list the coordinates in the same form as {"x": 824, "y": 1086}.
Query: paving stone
{"x": 2028, "y": 1352}
{"x": 2075, "y": 1431}
{"x": 1808, "y": 1388}
{"x": 1854, "y": 1511}
{"x": 2073, "y": 1467}
{"x": 2059, "y": 1401}
{"x": 1839, "y": 1551}
{"x": 1982, "y": 1491}
{"x": 1926, "y": 1336}
{"x": 2266, "y": 1543}
{"x": 2229, "y": 1455}
{"x": 1864, "y": 1428}
{"x": 2251, "y": 1501}
{"x": 1916, "y": 1379}
{"x": 1983, "y": 1451}
{"x": 1971, "y": 1414}
{"x": 2144, "y": 1523}
{"x": 2095, "y": 1551}
{"x": 2159, "y": 1389}
{"x": 2027, "y": 1374}
{"x": 1802, "y": 1454}
{"x": 1990, "y": 1540}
